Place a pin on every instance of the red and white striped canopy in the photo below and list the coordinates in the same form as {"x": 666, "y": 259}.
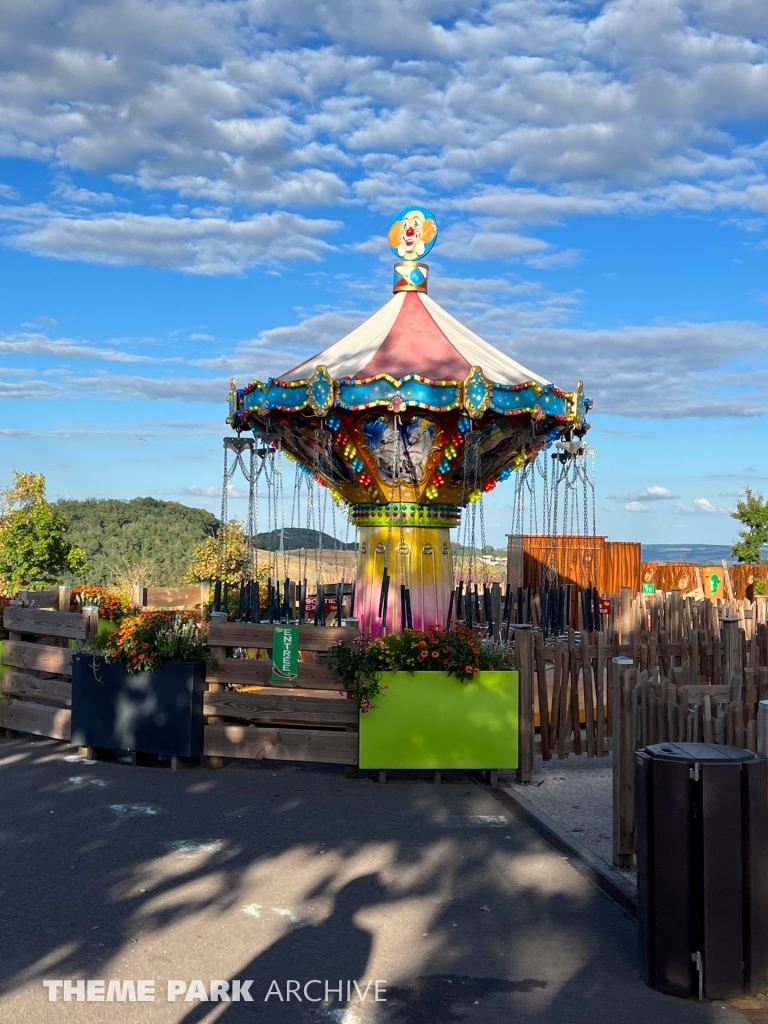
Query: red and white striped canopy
{"x": 413, "y": 334}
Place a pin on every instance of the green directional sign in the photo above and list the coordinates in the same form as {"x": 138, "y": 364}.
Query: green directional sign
{"x": 649, "y": 588}
{"x": 285, "y": 653}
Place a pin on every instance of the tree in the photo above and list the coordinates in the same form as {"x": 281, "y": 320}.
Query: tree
{"x": 753, "y": 513}
{"x": 33, "y": 547}
{"x": 204, "y": 564}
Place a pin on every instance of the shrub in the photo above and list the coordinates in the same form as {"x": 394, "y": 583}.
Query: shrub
{"x": 455, "y": 651}
{"x": 145, "y": 640}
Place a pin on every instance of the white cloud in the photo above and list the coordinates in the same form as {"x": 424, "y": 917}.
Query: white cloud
{"x": 700, "y": 505}
{"x": 579, "y": 109}
{"x": 464, "y": 244}
{"x": 665, "y": 371}
{"x": 61, "y": 385}
{"x": 635, "y": 506}
{"x": 212, "y": 492}
{"x": 652, "y": 493}
{"x": 564, "y": 258}
{"x": 205, "y": 245}
{"x": 64, "y": 348}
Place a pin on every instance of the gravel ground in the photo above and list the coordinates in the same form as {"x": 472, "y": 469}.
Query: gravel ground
{"x": 577, "y": 794}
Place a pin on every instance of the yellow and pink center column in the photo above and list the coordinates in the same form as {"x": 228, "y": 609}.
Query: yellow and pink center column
{"x": 414, "y": 543}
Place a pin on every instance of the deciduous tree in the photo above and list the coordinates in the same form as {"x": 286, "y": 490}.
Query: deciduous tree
{"x": 34, "y": 549}
{"x": 752, "y": 511}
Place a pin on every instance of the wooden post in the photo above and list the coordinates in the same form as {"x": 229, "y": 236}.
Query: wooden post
{"x": 524, "y": 659}
{"x": 573, "y": 668}
{"x": 727, "y": 576}
{"x": 220, "y": 654}
{"x": 603, "y": 689}
{"x": 496, "y": 610}
{"x": 205, "y": 593}
{"x": 733, "y": 666}
{"x": 13, "y": 635}
{"x": 541, "y": 682}
{"x": 64, "y": 598}
{"x": 91, "y": 614}
{"x": 589, "y": 714}
{"x": 623, "y": 766}
{"x": 625, "y": 618}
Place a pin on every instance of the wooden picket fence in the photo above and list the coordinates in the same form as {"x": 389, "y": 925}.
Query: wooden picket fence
{"x": 670, "y": 669}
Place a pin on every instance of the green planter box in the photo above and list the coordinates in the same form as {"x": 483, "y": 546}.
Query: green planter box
{"x": 431, "y": 720}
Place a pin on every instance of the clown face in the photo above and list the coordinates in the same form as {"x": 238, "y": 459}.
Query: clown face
{"x": 412, "y": 233}
{"x": 411, "y": 236}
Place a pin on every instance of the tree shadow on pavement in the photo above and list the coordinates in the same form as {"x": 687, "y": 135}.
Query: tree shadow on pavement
{"x": 274, "y": 873}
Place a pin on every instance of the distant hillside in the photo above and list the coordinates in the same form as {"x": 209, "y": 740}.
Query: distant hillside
{"x": 117, "y": 534}
{"x": 298, "y": 538}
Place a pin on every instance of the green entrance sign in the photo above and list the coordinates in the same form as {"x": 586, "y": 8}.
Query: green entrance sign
{"x": 649, "y": 588}
{"x": 285, "y": 653}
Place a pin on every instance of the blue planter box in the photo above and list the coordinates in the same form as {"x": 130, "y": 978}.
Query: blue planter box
{"x": 157, "y": 712}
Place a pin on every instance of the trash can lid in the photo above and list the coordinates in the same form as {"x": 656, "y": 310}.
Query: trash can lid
{"x": 699, "y": 752}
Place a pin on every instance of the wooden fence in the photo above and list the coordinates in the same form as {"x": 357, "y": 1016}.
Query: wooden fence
{"x": 37, "y": 685}
{"x": 691, "y": 670}
{"x": 716, "y": 582}
{"x": 539, "y": 560}
{"x": 55, "y": 599}
{"x": 248, "y": 715}
{"x": 170, "y": 598}
{"x": 252, "y": 716}
{"x": 671, "y": 669}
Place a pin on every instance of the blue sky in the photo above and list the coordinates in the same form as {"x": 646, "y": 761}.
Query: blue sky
{"x": 194, "y": 191}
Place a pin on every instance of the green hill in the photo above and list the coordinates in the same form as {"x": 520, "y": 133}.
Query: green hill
{"x": 117, "y": 535}
{"x": 300, "y": 538}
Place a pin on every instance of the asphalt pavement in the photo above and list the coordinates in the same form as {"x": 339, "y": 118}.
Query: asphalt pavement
{"x": 293, "y": 888}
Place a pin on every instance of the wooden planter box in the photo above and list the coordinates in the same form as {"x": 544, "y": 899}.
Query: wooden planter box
{"x": 431, "y": 720}
{"x": 157, "y": 712}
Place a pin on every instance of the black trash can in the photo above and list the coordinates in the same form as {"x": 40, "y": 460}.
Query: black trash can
{"x": 701, "y": 834}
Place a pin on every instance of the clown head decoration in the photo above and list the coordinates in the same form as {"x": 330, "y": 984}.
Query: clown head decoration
{"x": 412, "y": 233}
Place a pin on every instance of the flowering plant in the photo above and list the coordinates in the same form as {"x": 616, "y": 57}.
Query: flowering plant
{"x": 144, "y": 640}
{"x": 110, "y": 604}
{"x": 454, "y": 651}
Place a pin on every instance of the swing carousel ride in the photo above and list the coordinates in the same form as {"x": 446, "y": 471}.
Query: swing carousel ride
{"x": 406, "y": 422}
